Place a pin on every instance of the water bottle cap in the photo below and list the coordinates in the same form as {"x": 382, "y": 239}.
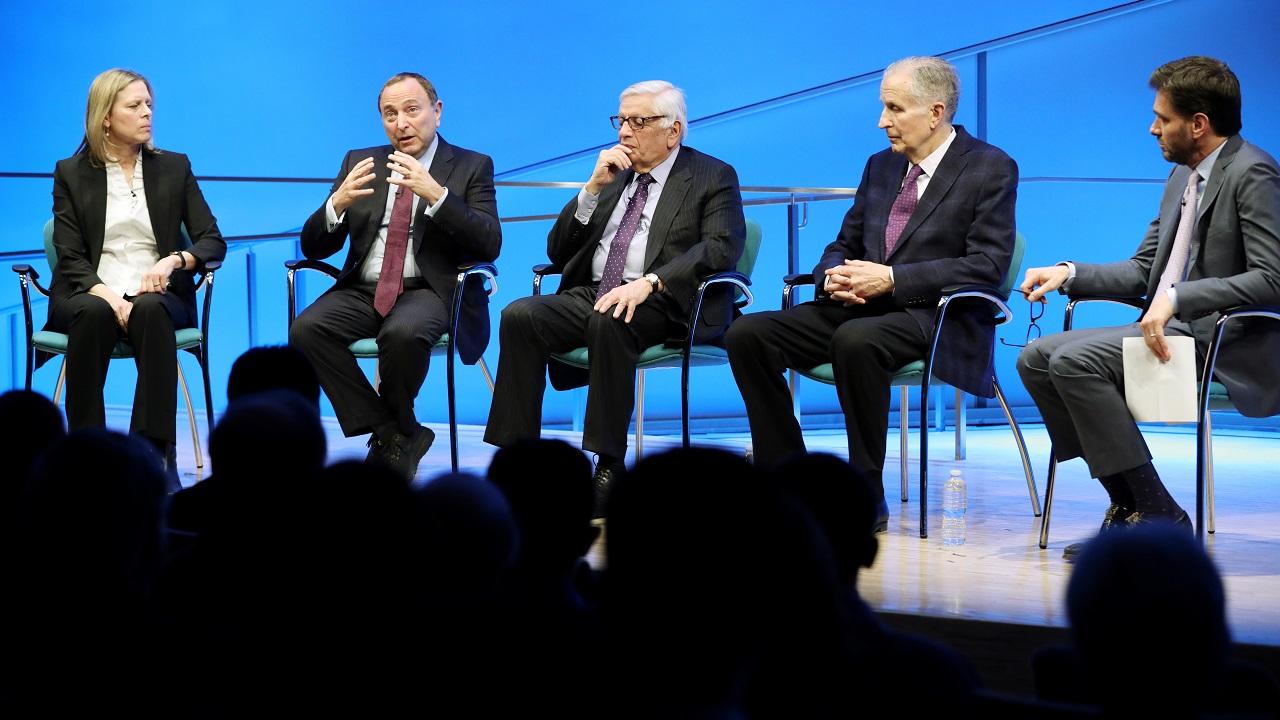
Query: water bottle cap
{"x": 955, "y": 473}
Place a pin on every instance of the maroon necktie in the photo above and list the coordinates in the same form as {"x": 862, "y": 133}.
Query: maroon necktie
{"x": 617, "y": 260}
{"x": 902, "y": 208}
{"x": 391, "y": 277}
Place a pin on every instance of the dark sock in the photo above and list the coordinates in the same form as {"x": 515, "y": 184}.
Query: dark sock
{"x": 1150, "y": 496}
{"x": 1118, "y": 490}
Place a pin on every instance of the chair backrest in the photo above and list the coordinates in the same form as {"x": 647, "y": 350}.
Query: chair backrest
{"x": 51, "y": 253}
{"x": 1015, "y": 264}
{"x": 747, "y": 263}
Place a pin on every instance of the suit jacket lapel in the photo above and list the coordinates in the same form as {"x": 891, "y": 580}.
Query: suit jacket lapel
{"x": 669, "y": 203}
{"x": 953, "y": 163}
{"x": 158, "y": 190}
{"x": 1211, "y": 189}
{"x": 94, "y": 180}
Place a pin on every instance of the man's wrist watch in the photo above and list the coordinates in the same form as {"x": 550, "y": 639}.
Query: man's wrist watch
{"x": 654, "y": 282}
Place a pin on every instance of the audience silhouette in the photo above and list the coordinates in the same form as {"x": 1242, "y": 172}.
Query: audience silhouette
{"x": 839, "y": 497}
{"x": 287, "y": 587}
{"x": 1149, "y": 634}
{"x": 83, "y": 638}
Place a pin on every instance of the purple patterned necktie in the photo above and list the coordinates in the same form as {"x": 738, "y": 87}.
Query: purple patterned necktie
{"x": 902, "y": 208}
{"x": 391, "y": 277}
{"x": 1175, "y": 270}
{"x": 616, "y": 262}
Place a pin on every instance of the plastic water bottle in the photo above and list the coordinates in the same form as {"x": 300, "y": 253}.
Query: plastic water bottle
{"x": 955, "y": 500}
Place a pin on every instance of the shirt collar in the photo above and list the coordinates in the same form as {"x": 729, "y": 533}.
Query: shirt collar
{"x": 930, "y": 164}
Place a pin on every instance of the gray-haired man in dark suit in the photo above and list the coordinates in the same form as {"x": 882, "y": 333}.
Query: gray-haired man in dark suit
{"x": 687, "y": 223}
{"x": 934, "y": 209}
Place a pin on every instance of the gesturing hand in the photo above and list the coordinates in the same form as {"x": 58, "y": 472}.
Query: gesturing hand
{"x": 353, "y": 186}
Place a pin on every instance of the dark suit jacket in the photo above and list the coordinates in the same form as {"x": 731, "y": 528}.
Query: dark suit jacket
{"x": 962, "y": 232}
{"x": 1235, "y": 260}
{"x": 79, "y": 221}
{"x": 464, "y": 229}
{"x": 698, "y": 229}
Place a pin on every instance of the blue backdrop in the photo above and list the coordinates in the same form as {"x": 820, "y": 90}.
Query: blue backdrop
{"x": 787, "y": 93}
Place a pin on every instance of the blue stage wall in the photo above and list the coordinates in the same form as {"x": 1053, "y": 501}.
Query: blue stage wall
{"x": 283, "y": 89}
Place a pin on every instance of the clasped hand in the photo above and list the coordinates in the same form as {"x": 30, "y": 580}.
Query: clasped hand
{"x": 857, "y": 281}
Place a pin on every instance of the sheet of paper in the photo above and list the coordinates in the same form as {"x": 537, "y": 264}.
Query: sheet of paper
{"x": 1161, "y": 391}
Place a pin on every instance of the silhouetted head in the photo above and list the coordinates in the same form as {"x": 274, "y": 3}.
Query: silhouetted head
{"x": 548, "y": 485}
{"x": 271, "y": 367}
{"x": 711, "y": 567}
{"x": 272, "y": 435}
{"x": 1147, "y": 605}
{"x": 471, "y": 537}
{"x": 29, "y": 423}
{"x": 838, "y": 495}
{"x": 93, "y": 517}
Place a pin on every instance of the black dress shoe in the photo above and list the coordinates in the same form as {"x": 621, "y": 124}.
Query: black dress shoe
{"x": 1139, "y": 518}
{"x": 1114, "y": 519}
{"x": 882, "y": 517}
{"x": 607, "y": 471}
{"x": 401, "y": 452}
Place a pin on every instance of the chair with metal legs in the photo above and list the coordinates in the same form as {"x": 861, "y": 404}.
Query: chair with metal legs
{"x": 367, "y": 348}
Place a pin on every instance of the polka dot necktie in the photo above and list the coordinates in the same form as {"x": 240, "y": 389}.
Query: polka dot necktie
{"x": 902, "y": 208}
{"x": 617, "y": 260}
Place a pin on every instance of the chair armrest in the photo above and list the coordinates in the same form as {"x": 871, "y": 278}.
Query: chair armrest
{"x": 989, "y": 293}
{"x": 24, "y": 269}
{"x": 318, "y": 265}
{"x": 488, "y": 270}
{"x": 1271, "y": 311}
{"x": 542, "y": 270}
{"x": 1074, "y": 299}
{"x": 28, "y": 276}
{"x": 732, "y": 277}
{"x": 212, "y": 265}
{"x": 790, "y": 283}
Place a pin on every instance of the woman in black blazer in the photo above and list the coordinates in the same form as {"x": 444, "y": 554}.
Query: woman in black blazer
{"x": 119, "y": 205}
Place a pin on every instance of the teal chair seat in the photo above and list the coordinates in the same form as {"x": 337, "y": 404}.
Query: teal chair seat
{"x": 367, "y": 348}
{"x": 657, "y": 356}
{"x": 689, "y": 354}
{"x": 913, "y": 374}
{"x": 56, "y": 342}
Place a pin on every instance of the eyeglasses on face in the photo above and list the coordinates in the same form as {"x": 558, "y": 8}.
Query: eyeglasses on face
{"x": 636, "y": 123}
{"x": 1036, "y": 311}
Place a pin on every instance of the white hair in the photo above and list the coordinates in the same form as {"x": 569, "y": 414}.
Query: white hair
{"x": 932, "y": 80}
{"x": 668, "y": 101}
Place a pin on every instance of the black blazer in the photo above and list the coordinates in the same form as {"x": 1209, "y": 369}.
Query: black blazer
{"x": 174, "y": 200}
{"x": 465, "y": 229}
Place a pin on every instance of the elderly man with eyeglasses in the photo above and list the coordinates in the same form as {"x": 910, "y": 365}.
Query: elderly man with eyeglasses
{"x": 653, "y": 219}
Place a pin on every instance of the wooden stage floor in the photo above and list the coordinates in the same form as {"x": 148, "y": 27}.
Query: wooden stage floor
{"x": 1000, "y": 578}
